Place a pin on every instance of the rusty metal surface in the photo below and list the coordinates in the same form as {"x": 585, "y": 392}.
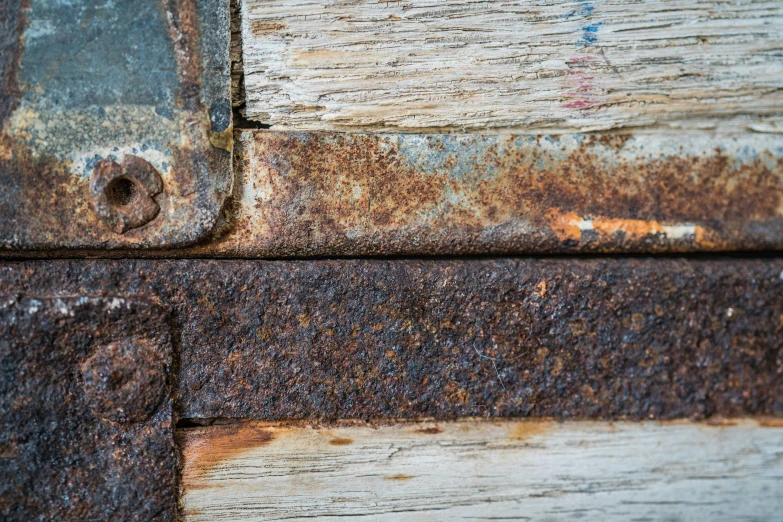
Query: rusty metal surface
{"x": 322, "y": 194}
{"x": 89, "y": 82}
{"x": 86, "y": 428}
{"x": 569, "y": 338}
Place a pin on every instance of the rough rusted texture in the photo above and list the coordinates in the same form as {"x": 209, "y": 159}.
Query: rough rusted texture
{"x": 122, "y": 195}
{"x": 308, "y": 194}
{"x": 126, "y": 380}
{"x": 603, "y": 338}
{"x": 69, "y": 368}
{"x": 11, "y": 25}
{"x": 78, "y": 93}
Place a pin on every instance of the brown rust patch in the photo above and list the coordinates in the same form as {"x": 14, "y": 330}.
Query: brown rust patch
{"x": 636, "y": 198}
{"x": 86, "y": 410}
{"x": 612, "y": 141}
{"x": 341, "y": 441}
{"x": 37, "y": 181}
{"x": 205, "y": 449}
{"x": 431, "y": 430}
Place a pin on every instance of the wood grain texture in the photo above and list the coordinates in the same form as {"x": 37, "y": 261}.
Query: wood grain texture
{"x": 551, "y": 66}
{"x": 481, "y": 470}
{"x": 235, "y": 55}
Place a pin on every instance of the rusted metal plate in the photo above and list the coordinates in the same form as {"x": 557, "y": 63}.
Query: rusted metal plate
{"x": 89, "y": 91}
{"x": 568, "y": 338}
{"x": 314, "y": 194}
{"x": 86, "y": 428}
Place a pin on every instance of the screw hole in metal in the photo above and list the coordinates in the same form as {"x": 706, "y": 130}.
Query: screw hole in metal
{"x": 122, "y": 192}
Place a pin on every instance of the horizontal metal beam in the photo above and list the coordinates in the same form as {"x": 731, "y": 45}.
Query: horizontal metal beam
{"x": 327, "y": 194}
{"x": 592, "y": 338}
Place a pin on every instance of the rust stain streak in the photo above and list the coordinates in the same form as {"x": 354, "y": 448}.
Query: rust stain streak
{"x": 341, "y": 441}
{"x": 399, "y": 477}
{"x": 526, "y": 430}
{"x": 206, "y": 449}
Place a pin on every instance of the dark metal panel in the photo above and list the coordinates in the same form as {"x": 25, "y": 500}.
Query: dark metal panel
{"x": 90, "y": 87}
{"x": 568, "y": 338}
{"x": 86, "y": 430}
{"x": 329, "y": 194}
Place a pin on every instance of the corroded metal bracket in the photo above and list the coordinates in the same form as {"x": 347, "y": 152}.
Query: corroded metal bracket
{"x": 331, "y": 194}
{"x": 567, "y": 338}
{"x": 87, "y": 85}
{"x": 86, "y": 428}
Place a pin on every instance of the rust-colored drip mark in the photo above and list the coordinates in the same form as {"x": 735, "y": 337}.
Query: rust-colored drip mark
{"x": 205, "y": 449}
{"x": 399, "y": 477}
{"x": 341, "y": 441}
{"x": 525, "y": 430}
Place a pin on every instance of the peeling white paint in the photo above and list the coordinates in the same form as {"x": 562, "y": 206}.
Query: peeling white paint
{"x": 679, "y": 231}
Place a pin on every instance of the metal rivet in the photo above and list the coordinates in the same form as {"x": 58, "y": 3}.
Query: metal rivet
{"x": 122, "y": 195}
{"x": 125, "y": 381}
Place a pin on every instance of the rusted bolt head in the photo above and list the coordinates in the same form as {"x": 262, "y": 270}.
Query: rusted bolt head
{"x": 122, "y": 195}
{"x": 125, "y": 381}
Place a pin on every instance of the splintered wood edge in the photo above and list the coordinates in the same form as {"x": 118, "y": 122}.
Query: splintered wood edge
{"x": 497, "y": 66}
{"x": 473, "y": 469}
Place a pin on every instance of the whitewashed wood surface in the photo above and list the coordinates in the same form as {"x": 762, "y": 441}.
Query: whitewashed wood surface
{"x": 235, "y": 55}
{"x": 485, "y": 470}
{"x": 528, "y": 66}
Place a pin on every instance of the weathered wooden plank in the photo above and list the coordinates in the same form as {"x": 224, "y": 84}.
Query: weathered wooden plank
{"x": 554, "y": 66}
{"x": 235, "y": 55}
{"x": 312, "y": 194}
{"x": 534, "y": 470}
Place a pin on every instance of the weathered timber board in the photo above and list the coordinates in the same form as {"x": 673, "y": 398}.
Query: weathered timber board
{"x": 585, "y": 338}
{"x": 554, "y": 66}
{"x": 235, "y": 56}
{"x": 333, "y": 194}
{"x": 484, "y": 471}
